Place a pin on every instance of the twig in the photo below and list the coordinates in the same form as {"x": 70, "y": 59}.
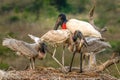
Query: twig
{"x": 117, "y": 68}
{"x": 102, "y": 63}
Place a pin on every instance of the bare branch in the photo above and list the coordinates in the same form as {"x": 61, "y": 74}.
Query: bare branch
{"x": 91, "y": 18}
{"x": 108, "y": 63}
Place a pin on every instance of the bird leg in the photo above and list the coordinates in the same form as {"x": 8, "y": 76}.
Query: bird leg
{"x": 72, "y": 61}
{"x": 82, "y": 43}
{"x": 53, "y": 56}
{"x": 92, "y": 60}
{"x": 84, "y": 60}
{"x": 30, "y": 63}
{"x": 80, "y": 62}
{"x": 80, "y": 46}
{"x": 33, "y": 63}
{"x": 63, "y": 56}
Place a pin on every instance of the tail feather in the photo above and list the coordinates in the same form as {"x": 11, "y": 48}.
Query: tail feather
{"x": 8, "y": 42}
{"x": 36, "y": 39}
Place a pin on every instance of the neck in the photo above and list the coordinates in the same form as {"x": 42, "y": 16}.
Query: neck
{"x": 63, "y": 24}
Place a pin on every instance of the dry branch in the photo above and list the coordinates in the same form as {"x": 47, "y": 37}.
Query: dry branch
{"x": 91, "y": 19}
{"x": 108, "y": 63}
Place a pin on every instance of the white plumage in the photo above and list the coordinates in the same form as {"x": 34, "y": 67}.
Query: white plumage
{"x": 56, "y": 36}
{"x": 36, "y": 39}
{"x": 73, "y": 24}
{"x": 86, "y": 28}
{"x": 53, "y": 37}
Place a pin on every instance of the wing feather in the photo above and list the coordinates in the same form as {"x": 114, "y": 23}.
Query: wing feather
{"x": 56, "y": 36}
{"x": 95, "y": 45}
{"x": 20, "y": 46}
{"x": 87, "y": 29}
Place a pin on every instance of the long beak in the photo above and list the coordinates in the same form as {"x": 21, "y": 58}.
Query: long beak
{"x": 85, "y": 43}
{"x": 57, "y": 23}
{"x": 81, "y": 44}
{"x": 82, "y": 38}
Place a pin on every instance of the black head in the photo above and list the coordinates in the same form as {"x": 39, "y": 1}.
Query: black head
{"x": 79, "y": 35}
{"x": 62, "y": 17}
{"x": 60, "y": 20}
{"x": 42, "y": 50}
{"x": 43, "y": 47}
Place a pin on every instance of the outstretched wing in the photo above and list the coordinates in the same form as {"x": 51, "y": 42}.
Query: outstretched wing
{"x": 19, "y": 46}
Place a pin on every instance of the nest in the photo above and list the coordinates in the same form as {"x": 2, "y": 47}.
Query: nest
{"x": 43, "y": 73}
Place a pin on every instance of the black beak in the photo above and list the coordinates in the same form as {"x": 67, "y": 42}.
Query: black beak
{"x": 58, "y": 22}
{"x": 85, "y": 43}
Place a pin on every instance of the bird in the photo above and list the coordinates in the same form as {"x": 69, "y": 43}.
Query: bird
{"x": 74, "y": 24}
{"x": 57, "y": 38}
{"x": 94, "y": 46}
{"x": 66, "y": 38}
{"x": 54, "y": 38}
{"x": 29, "y": 50}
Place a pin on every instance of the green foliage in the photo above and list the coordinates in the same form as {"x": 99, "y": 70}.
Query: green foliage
{"x": 16, "y": 9}
{"x": 4, "y": 51}
{"x": 34, "y": 7}
{"x": 14, "y": 18}
{"x": 6, "y": 7}
{"x": 10, "y": 34}
{"x": 60, "y": 4}
{"x": 108, "y": 11}
{"x": 82, "y": 5}
{"x": 78, "y": 6}
{"x": 4, "y": 66}
{"x": 115, "y": 46}
{"x": 118, "y": 20}
{"x": 29, "y": 17}
{"x": 101, "y": 22}
{"x": 50, "y": 11}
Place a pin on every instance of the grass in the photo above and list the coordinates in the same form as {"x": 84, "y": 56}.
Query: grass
{"x": 4, "y": 66}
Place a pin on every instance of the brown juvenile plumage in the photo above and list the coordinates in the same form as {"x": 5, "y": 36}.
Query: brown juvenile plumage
{"x": 31, "y": 51}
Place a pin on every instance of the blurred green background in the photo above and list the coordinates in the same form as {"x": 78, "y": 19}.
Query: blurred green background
{"x": 21, "y": 17}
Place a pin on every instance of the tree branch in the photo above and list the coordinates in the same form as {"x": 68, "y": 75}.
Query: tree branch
{"x": 108, "y": 63}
